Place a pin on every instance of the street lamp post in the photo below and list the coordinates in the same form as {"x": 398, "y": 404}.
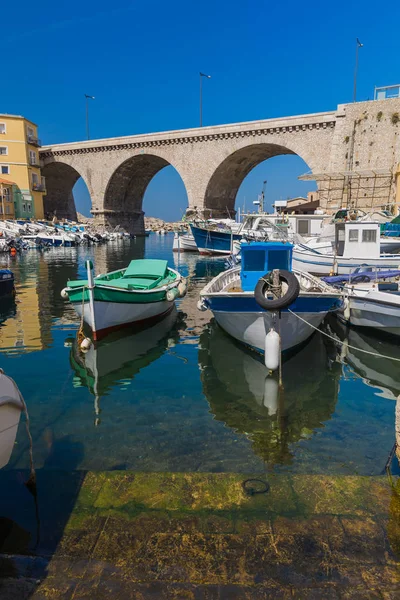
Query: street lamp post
{"x": 201, "y": 96}
{"x": 87, "y": 114}
{"x": 358, "y": 46}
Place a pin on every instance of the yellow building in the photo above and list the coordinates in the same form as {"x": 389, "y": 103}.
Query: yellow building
{"x": 19, "y": 162}
{"x": 6, "y": 199}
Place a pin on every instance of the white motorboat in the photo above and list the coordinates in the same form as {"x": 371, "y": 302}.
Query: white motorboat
{"x": 356, "y": 244}
{"x": 245, "y": 300}
{"x": 184, "y": 243}
{"x": 372, "y": 305}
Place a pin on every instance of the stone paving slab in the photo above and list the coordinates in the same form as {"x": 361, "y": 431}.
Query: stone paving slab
{"x": 200, "y": 536}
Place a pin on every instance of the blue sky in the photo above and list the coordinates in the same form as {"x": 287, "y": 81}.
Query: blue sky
{"x": 141, "y": 62}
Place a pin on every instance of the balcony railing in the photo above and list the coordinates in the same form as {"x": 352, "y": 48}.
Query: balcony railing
{"x": 38, "y": 187}
{"x": 33, "y": 140}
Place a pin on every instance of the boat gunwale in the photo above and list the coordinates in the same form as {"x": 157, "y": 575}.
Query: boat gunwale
{"x": 326, "y": 289}
{"x": 102, "y": 285}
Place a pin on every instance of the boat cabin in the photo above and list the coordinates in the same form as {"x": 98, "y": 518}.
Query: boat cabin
{"x": 259, "y": 258}
{"x": 357, "y": 239}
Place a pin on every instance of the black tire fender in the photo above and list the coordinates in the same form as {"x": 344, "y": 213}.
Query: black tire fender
{"x": 277, "y": 303}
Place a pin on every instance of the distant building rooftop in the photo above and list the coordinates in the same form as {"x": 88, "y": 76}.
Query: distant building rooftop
{"x": 303, "y": 209}
{"x": 7, "y": 181}
{"x": 17, "y": 117}
{"x": 388, "y": 91}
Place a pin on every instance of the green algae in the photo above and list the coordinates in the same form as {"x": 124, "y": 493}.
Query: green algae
{"x": 130, "y": 494}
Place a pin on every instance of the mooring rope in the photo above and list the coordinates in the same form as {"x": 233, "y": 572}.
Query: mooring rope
{"x": 331, "y": 337}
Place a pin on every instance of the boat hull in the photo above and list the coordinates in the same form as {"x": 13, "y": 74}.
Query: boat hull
{"x": 210, "y": 241}
{"x": 374, "y": 313}
{"x": 111, "y": 316}
{"x": 9, "y": 420}
{"x": 244, "y": 320}
{"x": 320, "y": 264}
{"x": 184, "y": 243}
{"x": 251, "y": 328}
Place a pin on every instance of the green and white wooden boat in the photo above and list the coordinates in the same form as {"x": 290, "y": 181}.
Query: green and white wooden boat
{"x": 142, "y": 293}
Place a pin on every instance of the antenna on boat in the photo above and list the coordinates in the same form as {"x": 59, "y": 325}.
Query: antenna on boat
{"x": 262, "y": 197}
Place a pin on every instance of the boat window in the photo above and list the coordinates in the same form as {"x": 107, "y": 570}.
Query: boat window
{"x": 353, "y": 235}
{"x": 254, "y": 260}
{"x": 278, "y": 259}
{"x": 369, "y": 235}
{"x": 303, "y": 226}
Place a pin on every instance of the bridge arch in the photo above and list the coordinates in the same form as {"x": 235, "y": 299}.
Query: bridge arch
{"x": 126, "y": 188}
{"x": 223, "y": 186}
{"x": 59, "y": 200}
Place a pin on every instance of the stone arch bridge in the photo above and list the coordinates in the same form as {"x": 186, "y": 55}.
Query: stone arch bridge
{"x": 356, "y": 138}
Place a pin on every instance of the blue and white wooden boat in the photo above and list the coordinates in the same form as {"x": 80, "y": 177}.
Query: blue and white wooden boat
{"x": 244, "y": 300}
{"x": 213, "y": 239}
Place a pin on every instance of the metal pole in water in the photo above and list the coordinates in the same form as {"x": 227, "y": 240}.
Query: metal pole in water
{"x": 89, "y": 269}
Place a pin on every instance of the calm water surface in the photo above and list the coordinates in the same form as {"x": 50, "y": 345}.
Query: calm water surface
{"x": 183, "y": 395}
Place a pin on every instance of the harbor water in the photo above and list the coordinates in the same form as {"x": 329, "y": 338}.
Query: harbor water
{"x": 183, "y": 408}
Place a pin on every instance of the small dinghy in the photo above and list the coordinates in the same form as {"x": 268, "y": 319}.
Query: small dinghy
{"x": 184, "y": 243}
{"x": 11, "y": 406}
{"x": 373, "y": 305}
{"x": 141, "y": 294}
{"x": 264, "y": 299}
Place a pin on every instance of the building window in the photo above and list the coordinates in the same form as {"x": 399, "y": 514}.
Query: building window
{"x": 369, "y": 235}
{"x": 6, "y": 192}
{"x": 24, "y": 207}
{"x": 4, "y": 169}
{"x": 3, "y": 150}
{"x": 29, "y": 207}
{"x": 353, "y": 235}
{"x": 35, "y": 181}
{"x": 32, "y": 157}
{"x": 3, "y": 128}
{"x": 30, "y": 131}
{"x": 8, "y": 209}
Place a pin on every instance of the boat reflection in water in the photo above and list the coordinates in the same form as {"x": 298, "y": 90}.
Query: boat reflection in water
{"x": 243, "y": 395}
{"x": 378, "y": 372}
{"x": 119, "y": 357}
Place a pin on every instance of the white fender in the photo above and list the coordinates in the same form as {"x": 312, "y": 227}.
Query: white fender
{"x": 64, "y": 294}
{"x": 182, "y": 288}
{"x": 346, "y": 311}
{"x": 85, "y": 344}
{"x": 200, "y": 305}
{"x": 172, "y": 294}
{"x": 272, "y": 350}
